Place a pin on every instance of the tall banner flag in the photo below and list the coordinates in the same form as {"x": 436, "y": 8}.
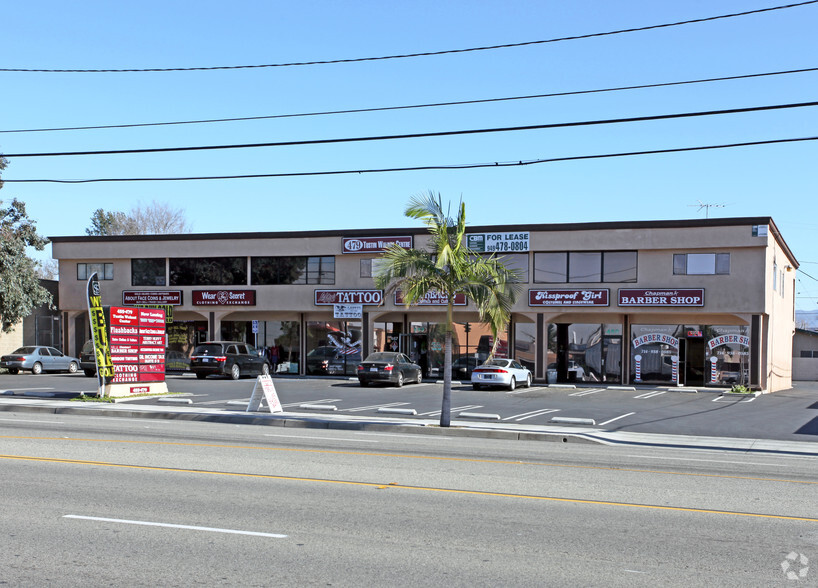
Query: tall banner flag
{"x": 99, "y": 334}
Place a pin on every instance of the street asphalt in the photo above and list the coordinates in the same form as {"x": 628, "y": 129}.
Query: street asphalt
{"x": 471, "y": 425}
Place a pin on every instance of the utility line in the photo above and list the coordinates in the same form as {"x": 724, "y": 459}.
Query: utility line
{"x": 424, "y": 54}
{"x": 424, "y": 168}
{"x": 420, "y": 135}
{"x": 412, "y": 106}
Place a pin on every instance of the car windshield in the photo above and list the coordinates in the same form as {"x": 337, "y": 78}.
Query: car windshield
{"x": 383, "y": 357}
{"x": 497, "y": 362}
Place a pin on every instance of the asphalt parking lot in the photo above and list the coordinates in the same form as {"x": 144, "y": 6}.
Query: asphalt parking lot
{"x": 788, "y": 415}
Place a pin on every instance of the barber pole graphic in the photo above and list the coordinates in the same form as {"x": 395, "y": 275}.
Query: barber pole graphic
{"x": 638, "y": 359}
{"x": 675, "y": 371}
{"x": 713, "y": 361}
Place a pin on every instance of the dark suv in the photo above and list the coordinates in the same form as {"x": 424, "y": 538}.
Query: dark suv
{"x": 88, "y": 360}
{"x": 228, "y": 358}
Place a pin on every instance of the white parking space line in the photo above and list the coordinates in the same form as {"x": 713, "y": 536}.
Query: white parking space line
{"x": 524, "y": 390}
{"x": 173, "y": 526}
{"x": 24, "y": 390}
{"x": 651, "y": 394}
{"x": 453, "y": 409}
{"x": 374, "y": 407}
{"x": 527, "y": 415}
{"x": 622, "y": 416}
{"x": 323, "y": 400}
{"x": 587, "y": 392}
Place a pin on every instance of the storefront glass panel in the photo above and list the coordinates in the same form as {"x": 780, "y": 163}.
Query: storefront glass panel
{"x": 655, "y": 353}
{"x": 282, "y": 342}
{"x": 333, "y": 347}
{"x": 525, "y": 344}
{"x": 183, "y": 336}
{"x": 727, "y": 355}
{"x": 389, "y": 337}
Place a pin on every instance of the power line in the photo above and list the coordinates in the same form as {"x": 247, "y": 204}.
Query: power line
{"x": 426, "y": 167}
{"x": 423, "y": 54}
{"x": 412, "y": 106}
{"x": 420, "y": 135}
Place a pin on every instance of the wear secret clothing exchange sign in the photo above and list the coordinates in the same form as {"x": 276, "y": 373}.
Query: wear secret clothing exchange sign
{"x": 224, "y": 297}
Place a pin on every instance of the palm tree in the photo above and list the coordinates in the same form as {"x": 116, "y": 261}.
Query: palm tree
{"x": 448, "y": 268}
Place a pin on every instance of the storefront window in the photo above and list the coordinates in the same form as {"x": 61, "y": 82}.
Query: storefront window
{"x": 333, "y": 347}
{"x": 727, "y": 354}
{"x": 584, "y": 266}
{"x": 147, "y": 272}
{"x": 655, "y": 353}
{"x": 390, "y": 337}
{"x": 525, "y": 344}
{"x": 282, "y": 342}
{"x": 182, "y": 338}
{"x": 208, "y": 271}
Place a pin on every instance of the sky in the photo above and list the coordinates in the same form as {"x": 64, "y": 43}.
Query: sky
{"x": 777, "y": 180}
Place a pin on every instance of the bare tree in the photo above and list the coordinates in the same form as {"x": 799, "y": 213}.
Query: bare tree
{"x": 151, "y": 219}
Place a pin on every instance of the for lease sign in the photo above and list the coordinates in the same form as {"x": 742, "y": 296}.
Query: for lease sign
{"x": 498, "y": 242}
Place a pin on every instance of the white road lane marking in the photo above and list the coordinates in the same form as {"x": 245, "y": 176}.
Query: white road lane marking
{"x": 323, "y": 438}
{"x": 779, "y": 465}
{"x": 28, "y": 421}
{"x": 622, "y": 416}
{"x": 173, "y": 526}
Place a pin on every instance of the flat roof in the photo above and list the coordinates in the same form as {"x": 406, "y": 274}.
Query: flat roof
{"x": 390, "y": 232}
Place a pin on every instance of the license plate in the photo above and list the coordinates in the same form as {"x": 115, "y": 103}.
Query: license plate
{"x": 373, "y": 369}
{"x": 205, "y": 360}
{"x": 487, "y": 376}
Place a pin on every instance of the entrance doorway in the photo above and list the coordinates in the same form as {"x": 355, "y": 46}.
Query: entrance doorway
{"x": 692, "y": 350}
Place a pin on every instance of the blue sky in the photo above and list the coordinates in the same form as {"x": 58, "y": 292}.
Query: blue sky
{"x": 776, "y": 180}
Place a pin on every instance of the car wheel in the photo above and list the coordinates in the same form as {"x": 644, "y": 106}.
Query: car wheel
{"x": 265, "y": 369}
{"x": 90, "y": 373}
{"x": 528, "y": 381}
{"x": 201, "y": 376}
{"x": 37, "y": 368}
{"x": 72, "y": 367}
{"x": 399, "y": 382}
{"x": 512, "y": 384}
{"x": 364, "y": 384}
{"x": 13, "y": 371}
{"x": 420, "y": 377}
{"x": 476, "y": 386}
{"x": 235, "y": 371}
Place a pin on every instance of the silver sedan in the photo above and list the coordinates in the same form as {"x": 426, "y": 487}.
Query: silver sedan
{"x": 39, "y": 359}
{"x": 507, "y": 373}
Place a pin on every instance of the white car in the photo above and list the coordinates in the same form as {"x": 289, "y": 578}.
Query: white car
{"x": 501, "y": 372}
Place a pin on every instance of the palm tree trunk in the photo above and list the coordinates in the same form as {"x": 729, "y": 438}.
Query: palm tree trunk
{"x": 446, "y": 408}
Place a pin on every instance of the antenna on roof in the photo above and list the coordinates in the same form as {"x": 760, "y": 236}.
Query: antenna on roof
{"x": 707, "y": 207}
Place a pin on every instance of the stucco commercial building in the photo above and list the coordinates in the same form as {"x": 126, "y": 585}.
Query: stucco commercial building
{"x": 688, "y": 302}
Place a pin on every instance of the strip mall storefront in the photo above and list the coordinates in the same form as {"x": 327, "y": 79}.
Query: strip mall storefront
{"x": 696, "y": 303}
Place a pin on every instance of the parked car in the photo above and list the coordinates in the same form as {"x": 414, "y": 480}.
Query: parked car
{"x": 389, "y": 367}
{"x": 39, "y": 359}
{"x": 88, "y": 360}
{"x": 318, "y": 360}
{"x": 344, "y": 363}
{"x": 228, "y": 358}
{"x": 463, "y": 366}
{"x": 501, "y": 372}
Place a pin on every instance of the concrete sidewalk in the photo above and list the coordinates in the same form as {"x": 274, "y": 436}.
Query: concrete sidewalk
{"x": 459, "y": 428}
